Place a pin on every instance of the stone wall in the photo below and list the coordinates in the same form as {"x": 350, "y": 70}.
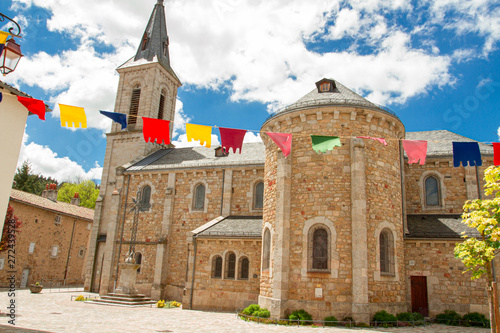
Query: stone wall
{"x": 448, "y": 287}
{"x": 38, "y": 227}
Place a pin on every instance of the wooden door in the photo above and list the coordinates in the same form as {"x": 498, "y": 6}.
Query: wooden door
{"x": 419, "y": 301}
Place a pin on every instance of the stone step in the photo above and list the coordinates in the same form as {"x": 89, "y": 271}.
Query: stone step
{"x": 125, "y": 298}
{"x": 126, "y": 295}
{"x": 121, "y": 302}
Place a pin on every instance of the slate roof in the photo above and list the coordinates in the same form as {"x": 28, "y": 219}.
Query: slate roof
{"x": 58, "y": 207}
{"x": 231, "y": 226}
{"x": 438, "y": 226}
{"x": 200, "y": 157}
{"x": 17, "y": 92}
{"x": 439, "y": 143}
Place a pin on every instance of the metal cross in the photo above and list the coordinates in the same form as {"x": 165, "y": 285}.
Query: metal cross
{"x": 137, "y": 207}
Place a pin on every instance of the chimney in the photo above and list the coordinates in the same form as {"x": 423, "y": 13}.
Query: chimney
{"x": 50, "y": 192}
{"x": 76, "y": 199}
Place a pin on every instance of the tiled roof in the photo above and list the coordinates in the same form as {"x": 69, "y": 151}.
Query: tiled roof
{"x": 438, "y": 226}
{"x": 199, "y": 157}
{"x": 59, "y": 207}
{"x": 231, "y": 226}
{"x": 439, "y": 143}
{"x": 17, "y": 92}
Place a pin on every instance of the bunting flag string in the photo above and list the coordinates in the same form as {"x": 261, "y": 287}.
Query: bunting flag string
{"x": 496, "y": 153}
{"x": 381, "y": 140}
{"x": 3, "y": 39}
{"x": 415, "y": 150}
{"x": 283, "y": 141}
{"x": 34, "y": 106}
{"x": 156, "y": 130}
{"x": 119, "y": 118}
{"x": 323, "y": 143}
{"x": 467, "y": 153}
{"x": 231, "y": 138}
{"x": 199, "y": 132}
{"x": 72, "y": 116}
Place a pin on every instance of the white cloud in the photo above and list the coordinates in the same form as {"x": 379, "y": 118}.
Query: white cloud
{"x": 46, "y": 162}
{"x": 498, "y": 133}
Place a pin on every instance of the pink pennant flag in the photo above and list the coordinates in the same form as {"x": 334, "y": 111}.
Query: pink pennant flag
{"x": 156, "y": 129}
{"x": 415, "y": 150}
{"x": 381, "y": 140}
{"x": 283, "y": 141}
{"x": 34, "y": 106}
{"x": 231, "y": 138}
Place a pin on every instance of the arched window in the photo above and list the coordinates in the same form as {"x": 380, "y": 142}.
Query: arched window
{"x": 320, "y": 249}
{"x": 386, "y": 252}
{"x": 134, "y": 106}
{"x": 266, "y": 251}
{"x": 244, "y": 267}
{"x": 199, "y": 197}
{"x": 145, "y": 198}
{"x": 230, "y": 265}
{"x": 432, "y": 195}
{"x": 217, "y": 267}
{"x": 138, "y": 260}
{"x": 258, "y": 195}
{"x": 161, "y": 105}
{"x": 145, "y": 41}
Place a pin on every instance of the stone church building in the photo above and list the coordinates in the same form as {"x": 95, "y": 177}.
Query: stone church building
{"x": 347, "y": 233}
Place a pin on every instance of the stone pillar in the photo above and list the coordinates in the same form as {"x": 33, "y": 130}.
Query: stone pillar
{"x": 160, "y": 274}
{"x": 281, "y": 255}
{"x": 471, "y": 182}
{"x": 360, "y": 310}
{"x": 227, "y": 193}
{"x": 128, "y": 276}
{"x": 89, "y": 268}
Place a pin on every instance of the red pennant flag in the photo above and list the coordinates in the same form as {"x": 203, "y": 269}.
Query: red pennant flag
{"x": 496, "y": 153}
{"x": 35, "y": 106}
{"x": 231, "y": 138}
{"x": 283, "y": 141}
{"x": 156, "y": 129}
{"x": 415, "y": 150}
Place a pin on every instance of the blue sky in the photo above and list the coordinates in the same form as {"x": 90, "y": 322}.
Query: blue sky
{"x": 435, "y": 63}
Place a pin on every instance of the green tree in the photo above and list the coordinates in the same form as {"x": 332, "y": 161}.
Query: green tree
{"x": 477, "y": 253}
{"x": 25, "y": 180}
{"x": 87, "y": 190}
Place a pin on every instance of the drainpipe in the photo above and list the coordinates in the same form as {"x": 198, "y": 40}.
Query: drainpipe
{"x": 69, "y": 252}
{"x": 192, "y": 279}
{"x": 121, "y": 234}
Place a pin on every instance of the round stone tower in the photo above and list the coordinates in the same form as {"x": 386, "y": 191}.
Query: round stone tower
{"x": 333, "y": 222}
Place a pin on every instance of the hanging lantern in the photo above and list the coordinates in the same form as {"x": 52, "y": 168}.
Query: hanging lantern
{"x": 10, "y": 57}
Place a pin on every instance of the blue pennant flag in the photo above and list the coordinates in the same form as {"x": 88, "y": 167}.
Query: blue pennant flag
{"x": 1, "y": 97}
{"x": 467, "y": 153}
{"x": 120, "y": 118}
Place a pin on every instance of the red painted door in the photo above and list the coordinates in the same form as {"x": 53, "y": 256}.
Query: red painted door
{"x": 419, "y": 302}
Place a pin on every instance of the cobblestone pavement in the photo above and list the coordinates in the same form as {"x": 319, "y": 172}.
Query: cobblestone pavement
{"x": 56, "y": 313}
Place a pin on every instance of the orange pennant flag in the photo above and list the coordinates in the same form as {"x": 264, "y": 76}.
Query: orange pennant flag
{"x": 199, "y": 132}
{"x": 72, "y": 116}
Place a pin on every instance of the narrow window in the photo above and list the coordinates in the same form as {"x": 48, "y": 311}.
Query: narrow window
{"x": 54, "y": 251}
{"x": 431, "y": 191}
{"x": 231, "y": 265}
{"x": 144, "y": 42}
{"x": 217, "y": 267}
{"x": 145, "y": 198}
{"x": 161, "y": 106}
{"x": 386, "y": 252}
{"x": 138, "y": 260}
{"x": 258, "y": 197}
{"x": 134, "y": 106}
{"x": 199, "y": 197}
{"x": 266, "y": 253}
{"x": 57, "y": 219}
{"x": 320, "y": 249}
{"x": 31, "y": 248}
{"x": 244, "y": 266}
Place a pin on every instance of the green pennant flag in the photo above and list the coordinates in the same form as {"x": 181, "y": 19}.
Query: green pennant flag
{"x": 321, "y": 144}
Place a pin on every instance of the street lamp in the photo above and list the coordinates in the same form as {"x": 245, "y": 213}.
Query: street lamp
{"x": 11, "y": 53}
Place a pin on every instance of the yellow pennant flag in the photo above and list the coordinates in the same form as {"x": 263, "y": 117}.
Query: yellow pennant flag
{"x": 72, "y": 116}
{"x": 199, "y": 132}
{"x": 3, "y": 37}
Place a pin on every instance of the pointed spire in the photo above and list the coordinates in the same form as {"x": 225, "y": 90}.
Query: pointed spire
{"x": 155, "y": 39}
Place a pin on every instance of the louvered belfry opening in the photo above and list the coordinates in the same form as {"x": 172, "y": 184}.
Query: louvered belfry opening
{"x": 134, "y": 106}
{"x": 161, "y": 107}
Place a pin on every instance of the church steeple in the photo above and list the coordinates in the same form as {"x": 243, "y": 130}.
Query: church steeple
{"x": 154, "y": 41}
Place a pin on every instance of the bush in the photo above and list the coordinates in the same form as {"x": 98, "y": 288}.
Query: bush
{"x": 476, "y": 319}
{"x": 449, "y": 317}
{"x": 330, "y": 321}
{"x": 384, "y": 317}
{"x": 262, "y": 313}
{"x": 301, "y": 315}
{"x": 410, "y": 316}
{"x": 249, "y": 310}
{"x": 348, "y": 321}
